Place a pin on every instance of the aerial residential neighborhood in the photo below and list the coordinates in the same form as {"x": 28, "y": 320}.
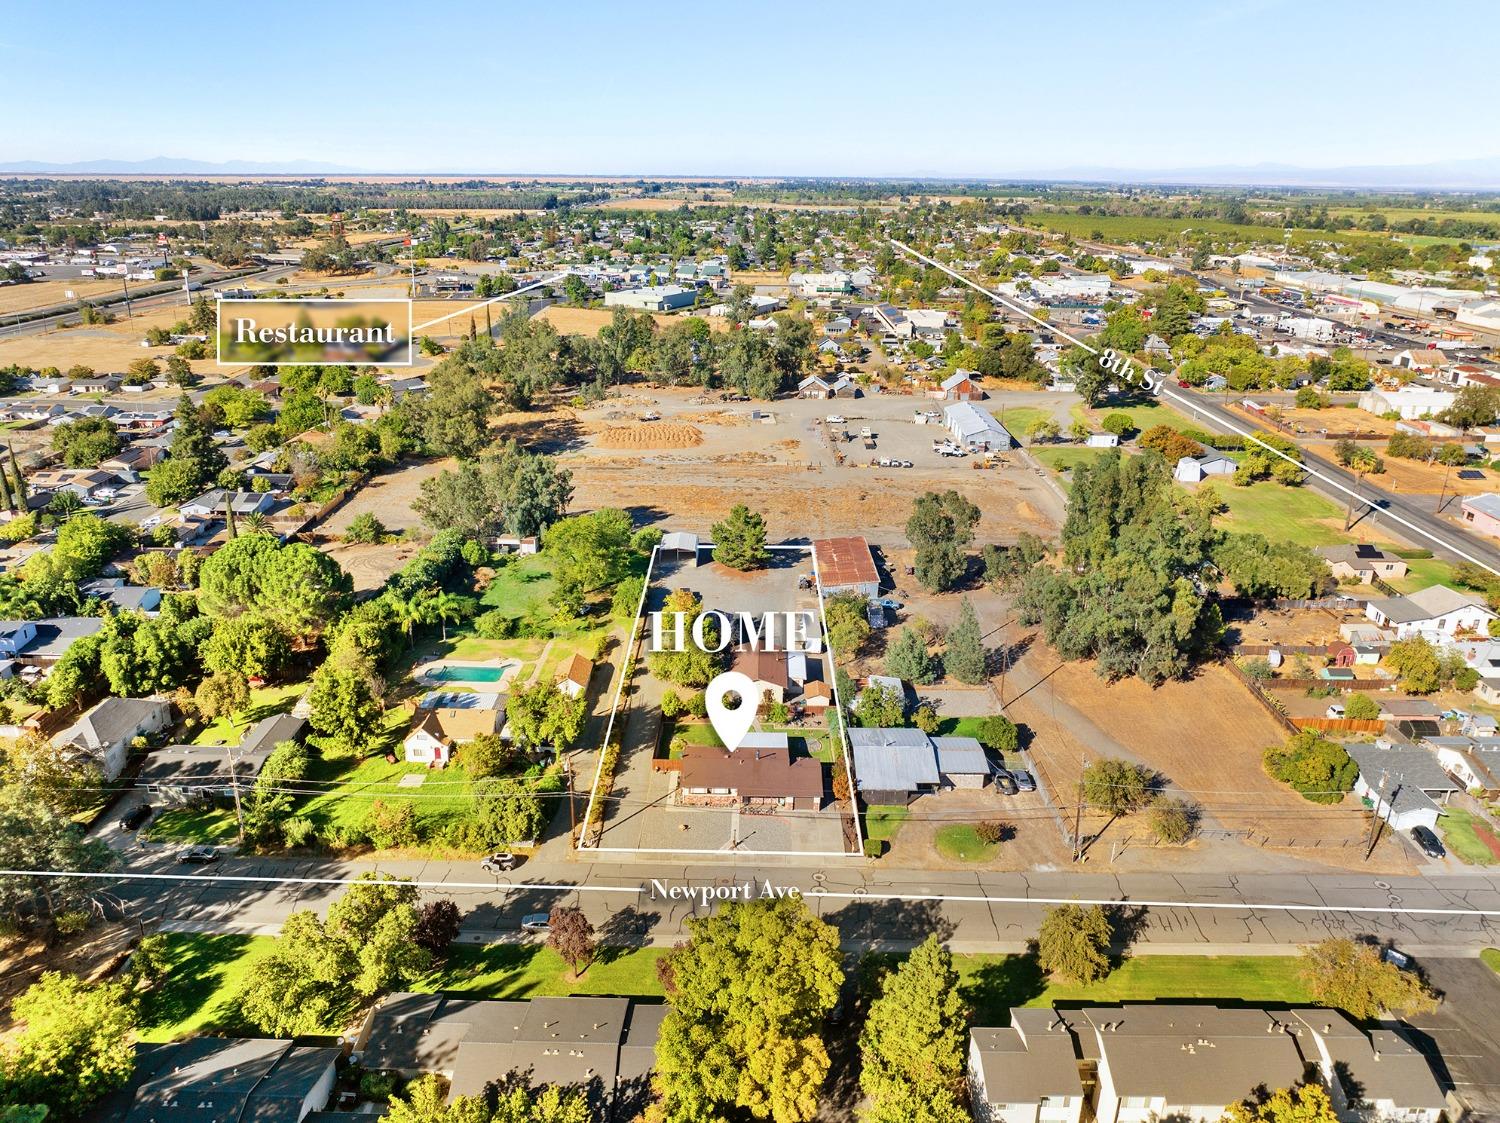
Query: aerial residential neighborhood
{"x": 697, "y": 586}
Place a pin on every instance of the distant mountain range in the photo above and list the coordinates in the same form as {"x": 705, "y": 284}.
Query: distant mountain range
{"x": 1476, "y": 174}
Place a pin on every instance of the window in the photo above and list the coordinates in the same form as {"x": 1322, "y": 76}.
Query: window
{"x": 1136, "y": 1102}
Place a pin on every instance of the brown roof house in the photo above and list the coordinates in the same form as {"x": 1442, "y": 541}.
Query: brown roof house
{"x": 768, "y": 670}
{"x": 447, "y": 718}
{"x": 574, "y": 677}
{"x": 750, "y": 777}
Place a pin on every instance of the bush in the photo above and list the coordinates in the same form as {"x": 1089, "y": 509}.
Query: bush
{"x": 495, "y": 624}
{"x": 1361, "y": 707}
{"x": 365, "y": 528}
{"x": 299, "y": 831}
{"x": 392, "y": 824}
{"x": 874, "y": 847}
{"x": 926, "y": 719}
{"x": 671, "y": 704}
{"x": 1312, "y": 765}
{"x": 1173, "y": 821}
{"x": 998, "y": 733}
{"x": 72, "y": 922}
{"x": 378, "y": 1085}
{"x": 994, "y": 831}
{"x": 697, "y": 704}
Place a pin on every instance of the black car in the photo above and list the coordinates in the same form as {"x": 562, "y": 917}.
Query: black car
{"x": 1427, "y": 842}
{"x": 1005, "y": 782}
{"x": 135, "y": 817}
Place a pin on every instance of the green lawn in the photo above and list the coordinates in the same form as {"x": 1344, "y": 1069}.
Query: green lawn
{"x": 356, "y": 785}
{"x": 883, "y": 821}
{"x": 960, "y": 842}
{"x": 992, "y": 984}
{"x": 198, "y": 995}
{"x": 194, "y": 824}
{"x": 526, "y": 970}
{"x": 206, "y": 972}
{"x": 1143, "y": 415}
{"x": 264, "y": 702}
{"x": 1457, "y": 828}
{"x": 1018, "y": 419}
{"x": 1422, "y": 572}
{"x": 1064, "y": 458}
{"x": 1282, "y": 514}
{"x": 1490, "y": 957}
{"x": 960, "y": 726}
{"x": 816, "y": 743}
{"x": 521, "y": 585}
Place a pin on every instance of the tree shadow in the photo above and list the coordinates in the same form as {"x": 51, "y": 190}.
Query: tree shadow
{"x": 1001, "y": 984}
{"x": 872, "y": 923}
{"x": 626, "y": 928}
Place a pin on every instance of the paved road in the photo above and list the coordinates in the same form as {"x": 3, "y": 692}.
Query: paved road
{"x": 874, "y": 906}
{"x": 1463, "y": 1034}
{"x": 1447, "y": 538}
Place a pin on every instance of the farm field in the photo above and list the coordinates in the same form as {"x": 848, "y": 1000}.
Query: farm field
{"x": 1138, "y": 228}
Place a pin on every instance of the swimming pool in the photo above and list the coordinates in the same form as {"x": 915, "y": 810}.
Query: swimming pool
{"x": 451, "y": 673}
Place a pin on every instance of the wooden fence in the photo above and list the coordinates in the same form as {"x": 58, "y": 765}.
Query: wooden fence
{"x": 1341, "y": 724}
{"x": 1269, "y": 704}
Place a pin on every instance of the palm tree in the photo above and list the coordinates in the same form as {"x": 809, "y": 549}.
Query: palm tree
{"x": 1361, "y": 461}
{"x": 256, "y": 522}
{"x": 415, "y": 609}
{"x": 450, "y": 606}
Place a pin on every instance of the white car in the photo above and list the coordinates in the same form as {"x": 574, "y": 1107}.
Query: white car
{"x": 150, "y": 521}
{"x": 834, "y": 419}
{"x": 536, "y": 922}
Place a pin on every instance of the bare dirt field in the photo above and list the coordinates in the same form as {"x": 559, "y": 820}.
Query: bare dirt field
{"x": 584, "y": 321}
{"x": 658, "y": 434}
{"x": 369, "y": 565}
{"x": 1296, "y": 626}
{"x": 388, "y": 497}
{"x": 1420, "y": 478}
{"x": 1205, "y": 737}
{"x": 757, "y": 277}
{"x": 44, "y": 294}
{"x": 1337, "y": 421}
{"x": 107, "y": 348}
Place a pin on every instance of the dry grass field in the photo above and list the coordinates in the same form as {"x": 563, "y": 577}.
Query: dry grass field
{"x": 584, "y": 321}
{"x": 44, "y": 294}
{"x": 1417, "y": 477}
{"x": 107, "y": 348}
{"x": 757, "y": 277}
{"x": 1337, "y": 421}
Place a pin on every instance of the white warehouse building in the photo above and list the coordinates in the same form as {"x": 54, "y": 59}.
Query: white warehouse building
{"x": 973, "y": 427}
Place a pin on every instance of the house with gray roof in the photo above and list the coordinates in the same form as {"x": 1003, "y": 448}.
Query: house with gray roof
{"x": 104, "y": 733}
{"x": 222, "y": 1080}
{"x": 1019, "y": 1071}
{"x": 1195, "y": 469}
{"x": 1404, "y": 783}
{"x": 1374, "y": 1076}
{"x": 1436, "y": 613}
{"x": 893, "y": 766}
{"x": 185, "y": 774}
{"x": 605, "y": 1046}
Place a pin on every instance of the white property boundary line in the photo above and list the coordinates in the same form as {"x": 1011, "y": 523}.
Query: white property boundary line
{"x": 615, "y": 709}
{"x": 1188, "y": 403}
{"x": 484, "y": 303}
{"x": 824, "y": 894}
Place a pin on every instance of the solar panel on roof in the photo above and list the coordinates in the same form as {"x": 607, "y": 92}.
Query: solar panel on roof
{"x": 1470, "y": 474}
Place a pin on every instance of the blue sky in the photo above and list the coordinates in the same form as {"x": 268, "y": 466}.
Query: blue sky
{"x": 722, "y": 87}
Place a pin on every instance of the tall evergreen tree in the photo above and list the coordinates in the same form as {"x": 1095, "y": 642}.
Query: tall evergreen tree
{"x": 907, "y": 658}
{"x": 964, "y": 656}
{"x": 912, "y": 1045}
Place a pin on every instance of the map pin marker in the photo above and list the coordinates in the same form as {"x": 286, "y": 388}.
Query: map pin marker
{"x": 731, "y": 725}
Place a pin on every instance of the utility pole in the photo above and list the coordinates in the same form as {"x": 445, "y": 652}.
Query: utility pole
{"x": 1375, "y": 816}
{"x": 1442, "y": 495}
{"x": 568, "y": 779}
{"x": 1083, "y": 762}
{"x": 125, "y": 280}
{"x": 234, "y": 786}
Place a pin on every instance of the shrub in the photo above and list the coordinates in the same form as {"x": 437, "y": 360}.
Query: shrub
{"x": 999, "y": 733}
{"x": 495, "y": 624}
{"x": 994, "y": 831}
{"x": 392, "y": 824}
{"x": 299, "y": 831}
{"x": 697, "y": 704}
{"x": 72, "y": 922}
{"x": 1361, "y": 707}
{"x": 874, "y": 847}
{"x": 1173, "y": 821}
{"x": 365, "y": 528}
{"x": 1312, "y": 765}
{"x": 926, "y": 719}
{"x": 378, "y": 1085}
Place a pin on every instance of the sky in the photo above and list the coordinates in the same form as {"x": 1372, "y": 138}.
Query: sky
{"x": 721, "y": 87}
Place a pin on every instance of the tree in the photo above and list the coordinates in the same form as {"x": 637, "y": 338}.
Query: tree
{"x": 1117, "y": 423}
{"x": 222, "y": 695}
{"x": 1354, "y": 977}
{"x": 512, "y": 491}
{"x": 346, "y": 699}
{"x": 249, "y": 645}
{"x": 748, "y": 994}
{"x": 998, "y": 732}
{"x": 365, "y": 528}
{"x": 84, "y": 543}
{"x": 1074, "y": 943}
{"x": 1317, "y": 768}
{"x": 487, "y": 756}
{"x": 1361, "y": 707}
{"x": 35, "y": 837}
{"x": 964, "y": 656}
{"x": 296, "y": 586}
{"x": 879, "y": 707}
{"x": 571, "y": 936}
{"x": 87, "y": 441}
{"x": 1306, "y": 1103}
{"x": 50, "y": 774}
{"x": 692, "y": 665}
{"x": 1417, "y": 662}
{"x": 507, "y": 811}
{"x": 172, "y": 482}
{"x": 907, "y": 658}
{"x": 912, "y": 1045}
{"x": 740, "y": 540}
{"x": 1116, "y": 786}
{"x": 455, "y": 412}
{"x": 1043, "y": 429}
{"x": 846, "y": 615}
{"x": 590, "y": 551}
{"x": 75, "y": 1043}
{"x": 1173, "y": 821}
{"x": 438, "y": 923}
{"x": 940, "y": 526}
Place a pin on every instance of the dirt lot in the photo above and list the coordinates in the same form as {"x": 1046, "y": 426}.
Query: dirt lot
{"x": 1296, "y": 626}
{"x": 1417, "y": 477}
{"x": 588, "y": 321}
{"x": 370, "y": 566}
{"x": 1337, "y": 421}
{"x": 44, "y": 294}
{"x": 108, "y": 348}
{"x": 388, "y": 497}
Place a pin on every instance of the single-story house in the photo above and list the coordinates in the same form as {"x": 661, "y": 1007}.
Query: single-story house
{"x": 211, "y": 503}
{"x": 86, "y": 483}
{"x": 1488, "y": 690}
{"x": 185, "y": 774}
{"x": 220, "y": 1079}
{"x": 1362, "y": 562}
{"x": 1195, "y": 469}
{"x": 1436, "y": 611}
{"x": 1482, "y": 512}
{"x": 104, "y": 733}
{"x": 49, "y": 638}
{"x": 1404, "y": 783}
{"x": 573, "y": 679}
{"x": 1473, "y": 762}
{"x": 750, "y": 777}
{"x": 605, "y": 1046}
{"x": 961, "y": 762}
{"x": 125, "y": 597}
{"x": 767, "y": 670}
{"x": 446, "y": 718}
{"x": 824, "y": 386}
{"x": 891, "y": 766}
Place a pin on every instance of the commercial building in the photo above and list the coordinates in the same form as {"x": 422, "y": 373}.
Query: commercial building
{"x": 652, "y": 298}
{"x": 975, "y": 428}
{"x": 845, "y": 565}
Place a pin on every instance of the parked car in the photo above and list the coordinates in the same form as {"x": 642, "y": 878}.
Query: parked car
{"x": 1335, "y": 711}
{"x": 133, "y": 818}
{"x": 198, "y": 855}
{"x": 1024, "y": 780}
{"x": 887, "y": 602}
{"x": 834, "y": 419}
{"x": 1005, "y": 783}
{"x": 1427, "y": 842}
{"x": 502, "y": 862}
{"x": 536, "y": 922}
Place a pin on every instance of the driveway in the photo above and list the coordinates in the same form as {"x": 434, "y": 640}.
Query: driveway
{"x": 1464, "y": 1032}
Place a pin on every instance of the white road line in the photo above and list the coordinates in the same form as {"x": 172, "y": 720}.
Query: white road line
{"x": 483, "y": 303}
{"x": 1181, "y": 401}
{"x": 824, "y": 894}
